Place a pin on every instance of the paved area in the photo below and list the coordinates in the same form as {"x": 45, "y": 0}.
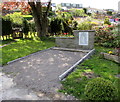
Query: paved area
{"x": 9, "y": 90}
{"x": 40, "y": 72}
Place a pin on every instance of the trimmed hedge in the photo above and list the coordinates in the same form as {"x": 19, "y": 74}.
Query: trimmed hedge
{"x": 27, "y": 17}
{"x": 6, "y": 26}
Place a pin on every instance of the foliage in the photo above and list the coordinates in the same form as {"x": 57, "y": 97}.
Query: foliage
{"x": 78, "y": 12}
{"x": 27, "y": 17}
{"x": 67, "y": 16}
{"x": 40, "y": 16}
{"x": 100, "y": 89}
{"x": 56, "y": 25}
{"x": 51, "y": 13}
{"x": 32, "y": 26}
{"x": 74, "y": 25}
{"x": 67, "y": 28}
{"x": 25, "y": 26}
{"x": 85, "y": 26}
{"x": 24, "y": 47}
{"x": 10, "y": 6}
{"x": 106, "y": 21}
{"x": 62, "y": 23}
{"x": 76, "y": 81}
{"x": 85, "y": 10}
{"x": 109, "y": 13}
{"x": 16, "y": 18}
{"x": 107, "y": 36}
{"x": 6, "y": 26}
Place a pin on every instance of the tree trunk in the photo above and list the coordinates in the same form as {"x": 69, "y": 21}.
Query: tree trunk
{"x": 40, "y": 18}
{"x": 36, "y": 17}
{"x": 44, "y": 30}
{"x": 37, "y": 23}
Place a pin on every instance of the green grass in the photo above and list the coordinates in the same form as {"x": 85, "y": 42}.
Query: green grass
{"x": 76, "y": 81}
{"x": 6, "y": 42}
{"x": 24, "y": 47}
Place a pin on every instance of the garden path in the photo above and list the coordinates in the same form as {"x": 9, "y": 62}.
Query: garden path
{"x": 40, "y": 72}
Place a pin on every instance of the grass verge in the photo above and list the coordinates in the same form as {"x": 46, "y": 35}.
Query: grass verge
{"x": 24, "y": 47}
{"x": 94, "y": 67}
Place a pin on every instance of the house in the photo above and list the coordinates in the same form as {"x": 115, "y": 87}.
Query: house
{"x": 70, "y": 5}
{"x": 95, "y": 10}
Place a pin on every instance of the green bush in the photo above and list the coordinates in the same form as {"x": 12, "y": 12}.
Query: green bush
{"x": 74, "y": 25}
{"x": 85, "y": 26}
{"x": 106, "y": 21}
{"x": 100, "y": 89}
{"x": 56, "y": 25}
{"x": 32, "y": 26}
{"x": 25, "y": 26}
{"x": 27, "y": 17}
{"x": 6, "y": 26}
{"x": 78, "y": 12}
{"x": 107, "y": 37}
{"x": 16, "y": 18}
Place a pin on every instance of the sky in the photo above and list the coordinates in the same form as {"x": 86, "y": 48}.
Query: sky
{"x": 99, "y": 4}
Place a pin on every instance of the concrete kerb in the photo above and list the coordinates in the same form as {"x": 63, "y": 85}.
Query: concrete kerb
{"x": 28, "y": 55}
{"x": 69, "y": 49}
{"x": 72, "y": 68}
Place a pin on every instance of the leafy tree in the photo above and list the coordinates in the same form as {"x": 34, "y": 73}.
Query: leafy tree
{"x": 62, "y": 23}
{"x": 36, "y": 6}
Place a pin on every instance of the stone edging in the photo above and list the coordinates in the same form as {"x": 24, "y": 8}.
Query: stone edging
{"x": 28, "y": 55}
{"x": 72, "y": 68}
{"x": 111, "y": 57}
{"x": 70, "y": 49}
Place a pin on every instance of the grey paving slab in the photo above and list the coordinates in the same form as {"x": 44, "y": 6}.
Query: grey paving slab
{"x": 40, "y": 72}
{"x": 9, "y": 90}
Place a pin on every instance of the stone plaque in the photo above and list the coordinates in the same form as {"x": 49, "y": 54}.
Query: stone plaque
{"x": 83, "y": 38}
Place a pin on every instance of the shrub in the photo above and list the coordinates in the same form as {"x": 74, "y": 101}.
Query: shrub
{"x": 74, "y": 25}
{"x": 107, "y": 37}
{"x": 27, "y": 17}
{"x": 100, "y": 89}
{"x": 6, "y": 26}
{"x": 85, "y": 26}
{"x": 78, "y": 12}
{"x": 56, "y": 25}
{"x": 16, "y": 18}
{"x": 32, "y": 26}
{"x": 106, "y": 21}
{"x": 25, "y": 26}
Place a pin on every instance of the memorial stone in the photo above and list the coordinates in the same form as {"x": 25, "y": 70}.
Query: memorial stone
{"x": 83, "y": 39}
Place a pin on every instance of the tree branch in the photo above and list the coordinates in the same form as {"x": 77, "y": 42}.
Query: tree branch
{"x": 48, "y": 8}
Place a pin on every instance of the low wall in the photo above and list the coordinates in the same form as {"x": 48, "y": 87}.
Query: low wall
{"x": 65, "y": 42}
{"x": 73, "y": 42}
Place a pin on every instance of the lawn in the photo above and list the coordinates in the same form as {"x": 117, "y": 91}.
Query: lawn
{"x": 6, "y": 42}
{"x": 96, "y": 66}
{"x": 24, "y": 47}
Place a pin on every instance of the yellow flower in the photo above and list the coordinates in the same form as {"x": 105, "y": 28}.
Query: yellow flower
{"x": 110, "y": 52}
